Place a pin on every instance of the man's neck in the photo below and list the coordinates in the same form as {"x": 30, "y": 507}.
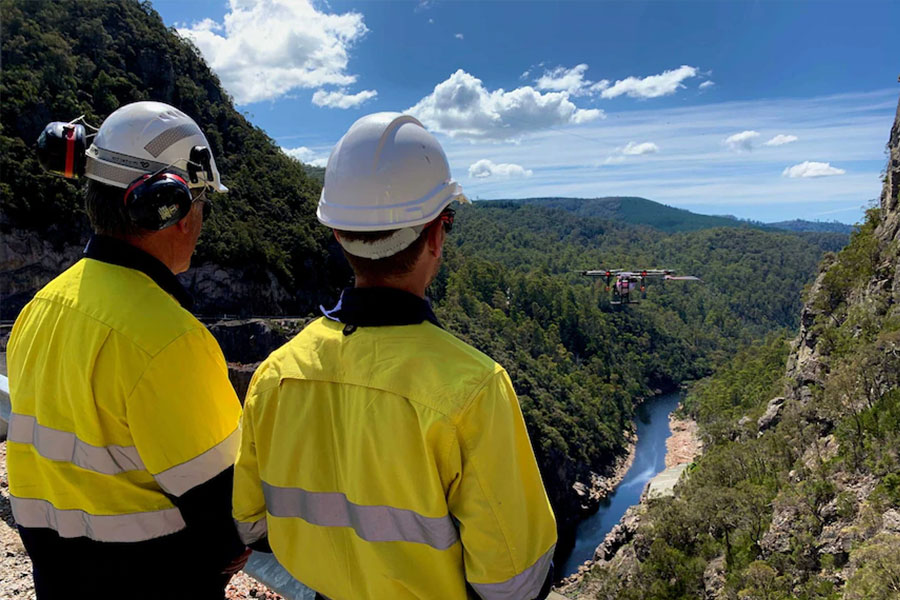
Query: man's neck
{"x": 155, "y": 247}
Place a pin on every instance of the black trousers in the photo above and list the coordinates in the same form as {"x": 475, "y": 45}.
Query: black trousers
{"x": 66, "y": 568}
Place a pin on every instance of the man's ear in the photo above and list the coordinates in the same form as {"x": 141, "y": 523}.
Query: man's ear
{"x": 184, "y": 224}
{"x": 435, "y": 242}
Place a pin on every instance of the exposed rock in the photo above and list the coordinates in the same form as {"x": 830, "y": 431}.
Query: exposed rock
{"x": 252, "y": 340}
{"x": 619, "y": 535}
{"x": 27, "y": 263}
{"x": 890, "y": 521}
{"x": 772, "y": 416}
{"x": 244, "y": 291}
{"x": 714, "y": 578}
{"x": 240, "y": 376}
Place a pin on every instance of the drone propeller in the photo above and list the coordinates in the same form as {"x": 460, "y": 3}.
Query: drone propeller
{"x": 682, "y": 278}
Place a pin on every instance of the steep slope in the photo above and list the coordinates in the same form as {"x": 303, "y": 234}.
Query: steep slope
{"x": 798, "y": 497}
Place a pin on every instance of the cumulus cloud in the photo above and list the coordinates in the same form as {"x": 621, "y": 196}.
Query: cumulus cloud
{"x": 634, "y": 149}
{"x": 487, "y": 168}
{"x": 652, "y": 86}
{"x": 341, "y": 99}
{"x": 306, "y": 155}
{"x": 742, "y": 142}
{"x": 459, "y": 36}
{"x": 462, "y": 107}
{"x": 706, "y": 84}
{"x": 812, "y": 169}
{"x": 263, "y": 49}
{"x": 561, "y": 79}
{"x": 572, "y": 81}
{"x": 781, "y": 140}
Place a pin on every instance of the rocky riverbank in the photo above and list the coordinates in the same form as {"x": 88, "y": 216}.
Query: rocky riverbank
{"x": 682, "y": 447}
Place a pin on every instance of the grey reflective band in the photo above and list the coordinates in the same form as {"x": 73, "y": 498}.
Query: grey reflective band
{"x": 131, "y": 527}
{"x": 524, "y": 586}
{"x": 371, "y": 523}
{"x": 180, "y": 478}
{"x": 157, "y": 145}
{"x": 120, "y": 169}
{"x": 65, "y": 446}
{"x": 250, "y": 532}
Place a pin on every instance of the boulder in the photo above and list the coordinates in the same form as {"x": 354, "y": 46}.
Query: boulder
{"x": 772, "y": 416}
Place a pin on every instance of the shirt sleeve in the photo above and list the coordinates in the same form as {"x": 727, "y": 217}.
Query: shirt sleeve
{"x": 248, "y": 502}
{"x": 506, "y": 525}
{"x": 184, "y": 414}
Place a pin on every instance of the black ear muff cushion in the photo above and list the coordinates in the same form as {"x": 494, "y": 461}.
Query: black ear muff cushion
{"x": 158, "y": 201}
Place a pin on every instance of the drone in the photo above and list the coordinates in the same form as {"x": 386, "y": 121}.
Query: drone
{"x": 625, "y": 282}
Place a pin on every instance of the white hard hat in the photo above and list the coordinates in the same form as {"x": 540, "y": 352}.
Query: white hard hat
{"x": 147, "y": 137}
{"x": 386, "y": 173}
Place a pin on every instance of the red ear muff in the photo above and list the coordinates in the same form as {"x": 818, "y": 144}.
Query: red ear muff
{"x": 61, "y": 149}
{"x": 158, "y": 201}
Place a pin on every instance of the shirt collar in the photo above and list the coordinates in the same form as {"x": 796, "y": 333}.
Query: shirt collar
{"x": 380, "y": 306}
{"x": 116, "y": 252}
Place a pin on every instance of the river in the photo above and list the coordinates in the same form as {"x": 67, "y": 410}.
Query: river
{"x": 649, "y": 459}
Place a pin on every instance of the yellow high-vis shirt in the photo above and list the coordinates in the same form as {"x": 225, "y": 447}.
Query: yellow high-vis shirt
{"x": 392, "y": 462}
{"x": 119, "y": 397}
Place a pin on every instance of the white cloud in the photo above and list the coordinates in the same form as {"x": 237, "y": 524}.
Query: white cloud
{"x": 706, "y": 84}
{"x": 263, "y": 49}
{"x": 525, "y": 74}
{"x": 341, "y": 99}
{"x": 430, "y": 21}
{"x": 458, "y": 36}
{"x": 691, "y": 170}
{"x": 633, "y": 149}
{"x": 572, "y": 81}
{"x": 487, "y": 168}
{"x": 652, "y": 86}
{"x": 781, "y": 140}
{"x": 742, "y": 142}
{"x": 812, "y": 169}
{"x": 462, "y": 107}
{"x": 306, "y": 155}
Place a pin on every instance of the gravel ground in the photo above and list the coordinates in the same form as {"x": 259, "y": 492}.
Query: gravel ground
{"x": 15, "y": 566}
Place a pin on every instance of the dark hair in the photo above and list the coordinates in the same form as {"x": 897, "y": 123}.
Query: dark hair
{"x": 389, "y": 266}
{"x": 105, "y": 207}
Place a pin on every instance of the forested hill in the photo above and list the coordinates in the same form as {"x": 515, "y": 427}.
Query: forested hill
{"x": 797, "y": 494}
{"x": 640, "y": 211}
{"x": 510, "y": 284}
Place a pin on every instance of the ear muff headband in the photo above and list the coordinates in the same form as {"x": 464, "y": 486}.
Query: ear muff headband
{"x": 158, "y": 201}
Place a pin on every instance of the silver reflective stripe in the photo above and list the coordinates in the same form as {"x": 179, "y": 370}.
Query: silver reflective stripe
{"x": 65, "y": 446}
{"x": 524, "y": 586}
{"x": 157, "y": 145}
{"x": 180, "y": 478}
{"x": 371, "y": 523}
{"x": 132, "y": 527}
{"x": 250, "y": 532}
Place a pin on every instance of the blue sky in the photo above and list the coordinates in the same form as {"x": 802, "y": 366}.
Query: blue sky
{"x": 764, "y": 110}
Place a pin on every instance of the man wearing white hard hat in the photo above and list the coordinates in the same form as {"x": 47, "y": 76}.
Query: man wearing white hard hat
{"x": 124, "y": 425}
{"x": 381, "y": 457}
